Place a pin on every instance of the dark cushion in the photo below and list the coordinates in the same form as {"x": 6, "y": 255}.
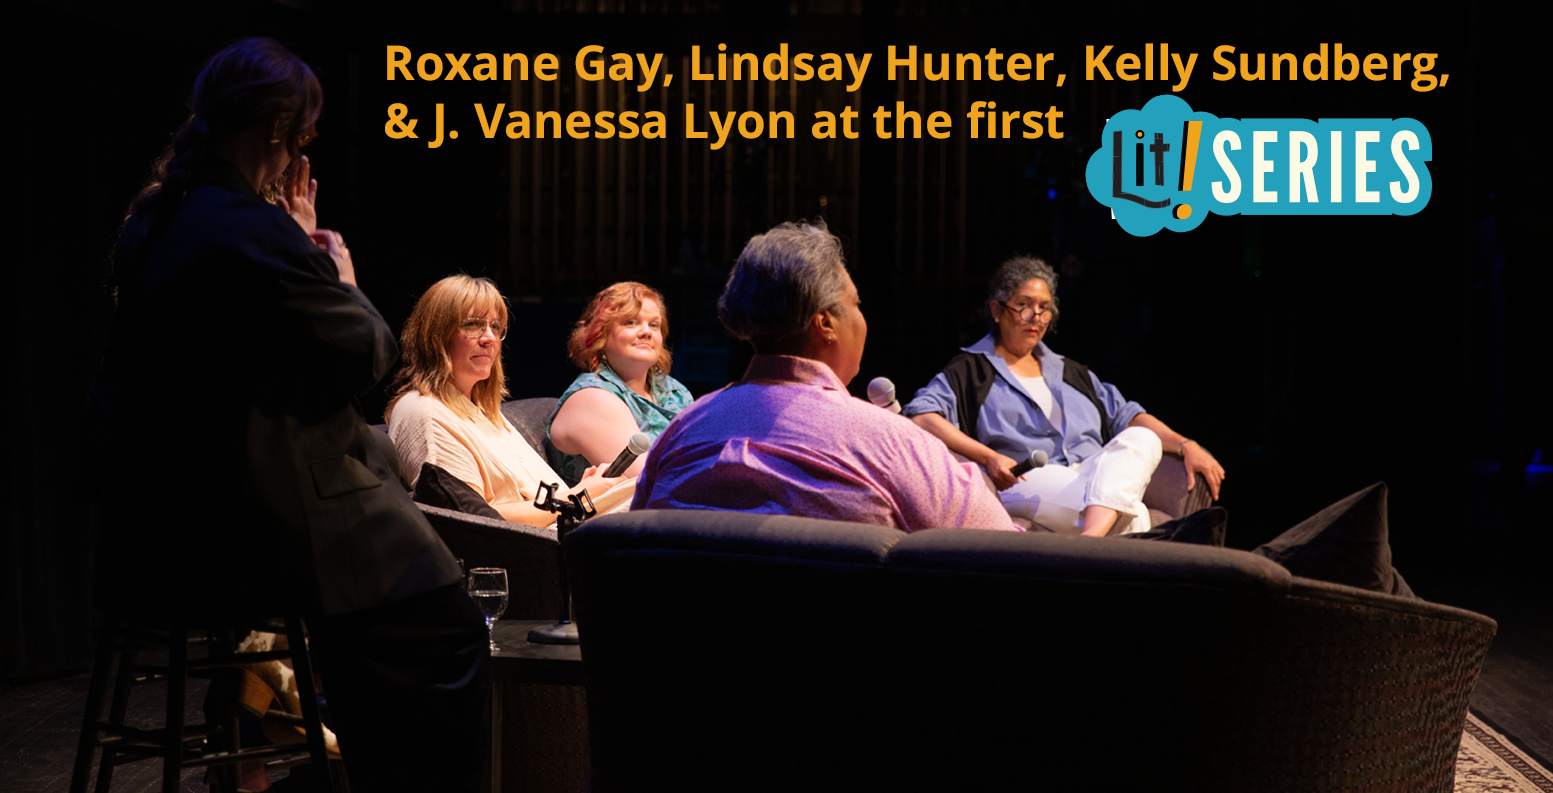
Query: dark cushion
{"x": 1346, "y": 543}
{"x": 438, "y": 488}
{"x": 1203, "y": 527}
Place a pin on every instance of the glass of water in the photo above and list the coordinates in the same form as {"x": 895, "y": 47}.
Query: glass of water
{"x": 488, "y": 587}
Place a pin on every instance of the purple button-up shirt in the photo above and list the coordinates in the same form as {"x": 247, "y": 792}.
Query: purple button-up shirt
{"x": 788, "y": 439}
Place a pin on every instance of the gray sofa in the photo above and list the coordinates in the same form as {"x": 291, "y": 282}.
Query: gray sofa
{"x": 729, "y": 651}
{"x": 527, "y": 553}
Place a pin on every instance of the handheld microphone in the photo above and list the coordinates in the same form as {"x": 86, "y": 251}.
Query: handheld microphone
{"x": 1037, "y": 459}
{"x": 881, "y": 392}
{"x": 638, "y": 446}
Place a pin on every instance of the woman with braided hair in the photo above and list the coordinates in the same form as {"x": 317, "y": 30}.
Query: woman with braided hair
{"x": 243, "y": 481}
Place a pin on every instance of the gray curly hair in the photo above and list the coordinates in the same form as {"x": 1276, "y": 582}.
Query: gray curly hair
{"x": 1011, "y": 275}
{"x": 783, "y": 277}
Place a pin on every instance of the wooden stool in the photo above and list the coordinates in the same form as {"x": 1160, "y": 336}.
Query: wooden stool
{"x": 179, "y": 745}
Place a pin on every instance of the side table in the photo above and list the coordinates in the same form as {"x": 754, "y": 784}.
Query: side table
{"x": 539, "y": 688}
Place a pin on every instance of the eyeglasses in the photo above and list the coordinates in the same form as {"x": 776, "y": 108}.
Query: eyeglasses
{"x": 475, "y": 328}
{"x": 1029, "y": 313}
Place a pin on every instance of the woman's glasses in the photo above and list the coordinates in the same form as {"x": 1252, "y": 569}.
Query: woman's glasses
{"x": 475, "y": 328}
{"x": 1029, "y": 313}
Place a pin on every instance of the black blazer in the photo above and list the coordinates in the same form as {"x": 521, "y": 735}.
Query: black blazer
{"x": 239, "y": 473}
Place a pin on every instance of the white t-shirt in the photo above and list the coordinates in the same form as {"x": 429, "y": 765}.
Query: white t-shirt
{"x": 1036, "y": 386}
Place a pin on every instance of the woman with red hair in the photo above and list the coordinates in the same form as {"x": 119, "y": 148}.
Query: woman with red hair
{"x": 625, "y": 387}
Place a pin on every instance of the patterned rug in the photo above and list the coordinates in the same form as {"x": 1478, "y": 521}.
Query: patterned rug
{"x": 1489, "y": 763}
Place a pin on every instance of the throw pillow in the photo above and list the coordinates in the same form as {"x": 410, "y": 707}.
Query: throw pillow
{"x": 1203, "y": 527}
{"x": 438, "y": 488}
{"x": 1346, "y": 543}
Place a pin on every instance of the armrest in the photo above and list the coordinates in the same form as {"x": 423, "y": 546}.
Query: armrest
{"x": 528, "y": 554}
{"x": 1167, "y": 489}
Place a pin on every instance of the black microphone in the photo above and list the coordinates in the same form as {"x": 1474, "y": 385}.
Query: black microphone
{"x": 638, "y": 446}
{"x": 1037, "y": 460}
{"x": 881, "y": 392}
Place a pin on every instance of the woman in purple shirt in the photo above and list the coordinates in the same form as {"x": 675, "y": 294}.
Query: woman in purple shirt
{"x": 788, "y": 438}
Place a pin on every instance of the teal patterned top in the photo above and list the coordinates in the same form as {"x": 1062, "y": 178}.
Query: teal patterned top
{"x": 652, "y": 416}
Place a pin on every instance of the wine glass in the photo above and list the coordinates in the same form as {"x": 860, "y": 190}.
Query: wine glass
{"x": 488, "y": 587}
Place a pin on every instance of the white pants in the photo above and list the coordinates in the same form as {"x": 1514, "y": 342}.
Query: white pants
{"x": 1055, "y": 496}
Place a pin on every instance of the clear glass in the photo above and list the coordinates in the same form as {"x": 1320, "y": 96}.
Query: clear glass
{"x": 488, "y": 587}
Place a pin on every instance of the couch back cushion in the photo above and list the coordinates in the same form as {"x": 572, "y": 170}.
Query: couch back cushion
{"x": 756, "y": 639}
{"x": 528, "y": 416}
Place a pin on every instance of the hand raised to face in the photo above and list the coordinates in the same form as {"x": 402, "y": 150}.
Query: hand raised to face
{"x": 298, "y": 199}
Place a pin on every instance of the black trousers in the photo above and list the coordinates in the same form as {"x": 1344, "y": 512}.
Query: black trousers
{"x": 407, "y": 685}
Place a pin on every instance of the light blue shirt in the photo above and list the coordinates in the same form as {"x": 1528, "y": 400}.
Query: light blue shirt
{"x": 652, "y": 416}
{"x": 1012, "y": 424}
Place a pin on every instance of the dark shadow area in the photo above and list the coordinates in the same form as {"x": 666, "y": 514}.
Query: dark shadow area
{"x": 1313, "y": 355}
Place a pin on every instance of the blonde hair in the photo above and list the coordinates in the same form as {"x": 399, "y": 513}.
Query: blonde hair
{"x": 424, "y": 348}
{"x": 606, "y": 310}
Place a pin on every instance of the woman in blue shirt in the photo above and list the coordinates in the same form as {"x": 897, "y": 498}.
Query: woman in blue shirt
{"x": 625, "y": 387}
{"x": 1101, "y": 448}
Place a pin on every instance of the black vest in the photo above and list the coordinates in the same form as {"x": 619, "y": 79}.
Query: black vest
{"x": 970, "y": 377}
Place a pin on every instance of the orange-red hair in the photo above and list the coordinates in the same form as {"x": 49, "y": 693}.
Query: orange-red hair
{"x": 608, "y": 308}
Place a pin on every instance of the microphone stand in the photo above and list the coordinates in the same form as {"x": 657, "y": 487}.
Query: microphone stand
{"x": 570, "y": 513}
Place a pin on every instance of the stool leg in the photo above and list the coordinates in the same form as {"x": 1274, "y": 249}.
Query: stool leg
{"x": 102, "y": 668}
{"x": 128, "y": 656}
{"x": 177, "y": 679}
{"x": 224, "y": 777}
{"x": 302, "y": 665}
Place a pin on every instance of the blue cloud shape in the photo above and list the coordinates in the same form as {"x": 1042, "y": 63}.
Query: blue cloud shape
{"x": 1346, "y": 166}
{"x": 1112, "y": 172}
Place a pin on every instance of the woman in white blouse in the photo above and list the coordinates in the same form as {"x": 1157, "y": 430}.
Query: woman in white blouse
{"x": 447, "y": 407}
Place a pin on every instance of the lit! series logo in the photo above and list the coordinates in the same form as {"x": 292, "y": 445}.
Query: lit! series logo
{"x": 1168, "y": 166}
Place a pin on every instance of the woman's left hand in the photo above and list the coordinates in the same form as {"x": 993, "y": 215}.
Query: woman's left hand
{"x": 1199, "y": 460}
{"x": 299, "y": 196}
{"x": 594, "y": 482}
{"x": 334, "y": 245}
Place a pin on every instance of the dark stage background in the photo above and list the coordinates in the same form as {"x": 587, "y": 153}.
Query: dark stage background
{"x": 1313, "y": 356}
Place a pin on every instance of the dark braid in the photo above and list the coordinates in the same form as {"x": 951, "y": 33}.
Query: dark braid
{"x": 174, "y": 170}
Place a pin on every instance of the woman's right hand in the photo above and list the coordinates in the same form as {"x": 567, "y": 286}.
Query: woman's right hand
{"x": 334, "y": 244}
{"x": 1000, "y": 468}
